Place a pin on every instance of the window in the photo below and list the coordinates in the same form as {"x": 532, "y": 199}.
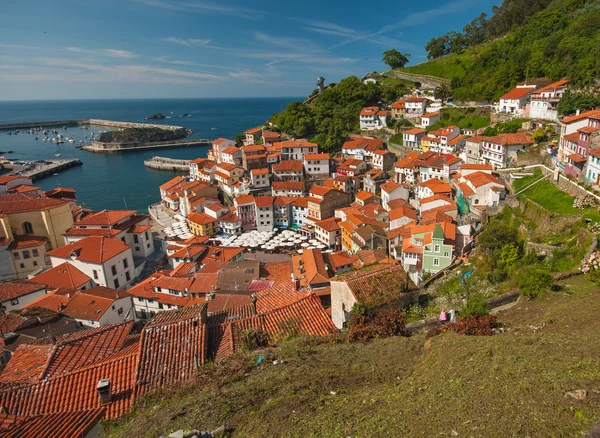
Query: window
{"x": 95, "y": 274}
{"x": 27, "y": 228}
{"x": 436, "y": 262}
{"x": 16, "y": 255}
{"x": 113, "y": 307}
{"x": 113, "y": 269}
{"x": 160, "y": 305}
{"x": 22, "y": 265}
{"x": 136, "y": 239}
{"x": 137, "y": 248}
{"x": 436, "y": 248}
{"x": 125, "y": 263}
{"x": 116, "y": 283}
{"x": 14, "y": 302}
{"x": 35, "y": 252}
{"x": 35, "y": 263}
{"x": 127, "y": 276}
{"x": 26, "y": 254}
{"x": 148, "y": 245}
{"x": 147, "y": 236}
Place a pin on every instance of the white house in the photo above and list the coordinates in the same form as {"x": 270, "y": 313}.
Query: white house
{"x": 544, "y": 102}
{"x": 316, "y": 164}
{"x": 372, "y": 118}
{"x": 391, "y": 191}
{"x": 229, "y": 224}
{"x": 329, "y": 232}
{"x": 219, "y": 145}
{"x": 516, "y": 100}
{"x": 10, "y": 182}
{"x": 412, "y": 137}
{"x": 501, "y": 151}
{"x": 482, "y": 189}
{"x": 430, "y": 119}
{"x": 295, "y": 149}
{"x": 401, "y": 216}
{"x": 126, "y": 225}
{"x": 232, "y": 155}
{"x": 107, "y": 260}
{"x": 265, "y": 220}
{"x": 416, "y": 106}
{"x": 99, "y": 306}
{"x": 299, "y": 212}
{"x": 260, "y": 178}
{"x": 19, "y": 293}
{"x": 288, "y": 188}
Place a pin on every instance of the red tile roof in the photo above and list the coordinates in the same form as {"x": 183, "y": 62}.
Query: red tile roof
{"x": 288, "y": 185}
{"x": 87, "y": 307}
{"x": 87, "y": 347}
{"x": 25, "y": 366}
{"x": 331, "y": 224}
{"x": 18, "y": 288}
{"x": 399, "y": 105}
{"x": 517, "y": 93}
{"x": 64, "y": 275}
{"x": 429, "y": 115}
{"x": 106, "y": 217}
{"x": 593, "y": 114}
{"x": 415, "y": 131}
{"x": 316, "y": 157}
{"x": 511, "y": 139}
{"x": 172, "y": 350}
{"x": 397, "y": 213}
{"x": 377, "y": 285}
{"x": 311, "y": 271}
{"x": 479, "y": 179}
{"x": 201, "y": 218}
{"x": 264, "y": 201}
{"x": 408, "y": 161}
{"x": 77, "y": 390}
{"x": 93, "y": 249}
{"x": 589, "y": 129}
{"x": 21, "y": 203}
{"x": 10, "y": 322}
{"x": 476, "y": 167}
{"x": 288, "y": 166}
{"x": 338, "y": 259}
{"x": 72, "y": 424}
{"x": 366, "y": 144}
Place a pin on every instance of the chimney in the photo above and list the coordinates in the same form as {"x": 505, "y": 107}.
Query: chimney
{"x": 104, "y": 391}
{"x": 577, "y": 112}
{"x": 253, "y": 298}
{"x": 297, "y": 284}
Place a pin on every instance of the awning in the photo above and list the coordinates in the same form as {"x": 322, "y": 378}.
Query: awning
{"x": 577, "y": 158}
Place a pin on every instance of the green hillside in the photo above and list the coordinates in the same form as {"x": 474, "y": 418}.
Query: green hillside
{"x": 562, "y": 40}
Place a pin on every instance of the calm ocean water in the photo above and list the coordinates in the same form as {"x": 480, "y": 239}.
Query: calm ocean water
{"x": 114, "y": 180}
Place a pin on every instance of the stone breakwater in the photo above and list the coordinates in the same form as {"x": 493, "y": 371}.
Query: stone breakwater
{"x": 171, "y": 164}
{"x": 85, "y": 122}
{"x": 109, "y": 148}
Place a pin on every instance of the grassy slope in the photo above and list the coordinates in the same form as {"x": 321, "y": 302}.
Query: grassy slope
{"x": 512, "y": 384}
{"x": 549, "y": 197}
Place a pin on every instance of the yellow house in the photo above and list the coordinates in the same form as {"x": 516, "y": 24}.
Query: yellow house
{"x": 22, "y": 215}
{"x": 426, "y": 143}
{"x": 202, "y": 224}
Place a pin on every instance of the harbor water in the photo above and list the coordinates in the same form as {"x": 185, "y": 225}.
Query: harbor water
{"x": 116, "y": 181}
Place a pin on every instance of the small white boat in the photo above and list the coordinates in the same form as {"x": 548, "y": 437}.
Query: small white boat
{"x": 57, "y": 155}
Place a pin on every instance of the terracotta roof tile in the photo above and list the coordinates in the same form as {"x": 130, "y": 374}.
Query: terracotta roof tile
{"x": 72, "y": 424}
{"x": 288, "y": 166}
{"x": 20, "y": 203}
{"x": 24, "y": 242}
{"x": 64, "y": 275}
{"x": 18, "y": 288}
{"x": 92, "y": 249}
{"x": 25, "y": 366}
{"x": 106, "y": 217}
{"x": 377, "y": 284}
{"x": 517, "y": 93}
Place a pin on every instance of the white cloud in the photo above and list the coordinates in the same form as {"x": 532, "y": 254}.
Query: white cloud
{"x": 166, "y": 60}
{"x": 112, "y": 53}
{"x": 204, "y": 6}
{"x": 189, "y": 42}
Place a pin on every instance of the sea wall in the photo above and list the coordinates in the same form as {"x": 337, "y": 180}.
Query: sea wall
{"x": 163, "y": 163}
{"x": 85, "y": 122}
{"x": 108, "y": 148}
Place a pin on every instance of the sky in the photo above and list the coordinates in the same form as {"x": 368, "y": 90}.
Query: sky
{"x": 86, "y": 49}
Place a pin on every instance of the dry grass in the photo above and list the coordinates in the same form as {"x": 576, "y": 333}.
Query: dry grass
{"x": 511, "y": 384}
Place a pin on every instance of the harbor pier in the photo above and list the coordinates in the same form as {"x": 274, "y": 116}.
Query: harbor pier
{"x": 44, "y": 170}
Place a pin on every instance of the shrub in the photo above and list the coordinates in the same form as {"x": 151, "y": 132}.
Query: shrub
{"x": 476, "y": 305}
{"x": 477, "y": 325}
{"x": 382, "y": 323}
{"x": 534, "y": 282}
{"x": 254, "y": 339}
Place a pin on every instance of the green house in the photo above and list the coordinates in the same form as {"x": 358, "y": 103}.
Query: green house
{"x": 437, "y": 254}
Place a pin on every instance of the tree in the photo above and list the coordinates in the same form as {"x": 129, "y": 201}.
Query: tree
{"x": 534, "y": 282}
{"x": 442, "y": 92}
{"x": 395, "y": 59}
{"x": 437, "y": 47}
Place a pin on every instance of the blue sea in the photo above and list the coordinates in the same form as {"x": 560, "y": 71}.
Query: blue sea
{"x": 116, "y": 181}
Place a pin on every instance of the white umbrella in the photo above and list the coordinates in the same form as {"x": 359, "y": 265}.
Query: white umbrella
{"x": 297, "y": 241}
{"x": 304, "y": 245}
{"x": 321, "y": 246}
{"x": 311, "y": 247}
{"x": 303, "y": 238}
{"x": 289, "y": 244}
{"x": 300, "y": 251}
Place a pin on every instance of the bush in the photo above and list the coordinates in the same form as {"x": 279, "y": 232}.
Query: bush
{"x": 477, "y": 325}
{"x": 534, "y": 282}
{"x": 476, "y": 305}
{"x": 382, "y": 323}
{"x": 254, "y": 339}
